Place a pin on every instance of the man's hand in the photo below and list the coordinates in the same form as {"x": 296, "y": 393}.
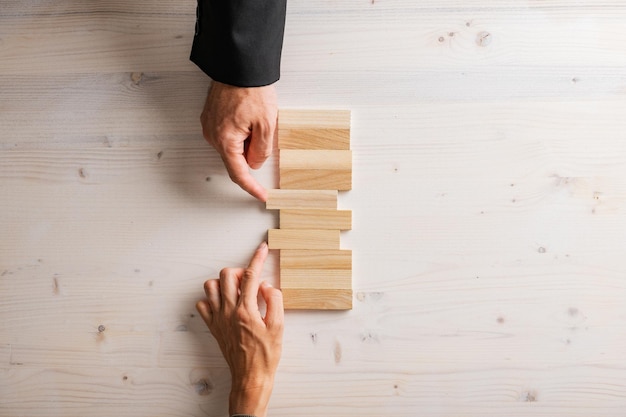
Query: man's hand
{"x": 240, "y": 122}
{"x": 250, "y": 343}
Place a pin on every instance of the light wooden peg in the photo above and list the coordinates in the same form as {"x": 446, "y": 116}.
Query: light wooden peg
{"x": 315, "y": 169}
{"x": 314, "y": 139}
{"x": 315, "y": 259}
{"x": 301, "y": 199}
{"x": 316, "y": 278}
{"x": 317, "y": 299}
{"x": 303, "y": 239}
{"x": 316, "y": 219}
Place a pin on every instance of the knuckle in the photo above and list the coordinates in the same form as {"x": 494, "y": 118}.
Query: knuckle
{"x": 266, "y": 125}
{"x": 277, "y": 325}
{"x": 225, "y": 273}
{"x": 276, "y": 294}
{"x": 265, "y": 153}
{"x": 241, "y": 314}
{"x": 249, "y": 274}
{"x": 211, "y": 285}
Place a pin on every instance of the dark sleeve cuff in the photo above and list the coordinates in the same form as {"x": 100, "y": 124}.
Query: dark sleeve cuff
{"x": 239, "y": 42}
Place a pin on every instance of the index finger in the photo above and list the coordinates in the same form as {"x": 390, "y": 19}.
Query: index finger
{"x": 250, "y": 280}
{"x": 237, "y": 168}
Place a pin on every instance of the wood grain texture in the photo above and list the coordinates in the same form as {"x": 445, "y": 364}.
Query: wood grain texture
{"x": 301, "y": 199}
{"x": 150, "y": 390}
{"x": 315, "y": 259}
{"x": 316, "y": 278}
{"x": 314, "y": 138}
{"x": 489, "y": 203}
{"x": 315, "y": 219}
{"x": 317, "y": 299}
{"x": 338, "y": 160}
{"x": 303, "y": 239}
{"x": 313, "y": 118}
{"x": 315, "y": 169}
{"x": 315, "y": 179}
{"x": 314, "y": 129}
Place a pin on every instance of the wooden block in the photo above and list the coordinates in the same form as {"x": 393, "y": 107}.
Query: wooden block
{"x": 314, "y": 138}
{"x": 339, "y": 160}
{"x": 301, "y": 199}
{"x": 317, "y": 299}
{"x": 315, "y": 259}
{"x": 315, "y": 169}
{"x": 316, "y": 278}
{"x": 326, "y": 119}
{"x": 314, "y": 129}
{"x": 316, "y": 219}
{"x": 303, "y": 239}
{"x": 314, "y": 155}
{"x": 314, "y": 179}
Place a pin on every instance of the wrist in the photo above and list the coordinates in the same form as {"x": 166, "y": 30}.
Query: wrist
{"x": 250, "y": 400}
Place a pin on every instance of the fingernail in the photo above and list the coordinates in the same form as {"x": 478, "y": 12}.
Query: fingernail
{"x": 263, "y": 245}
{"x": 267, "y": 284}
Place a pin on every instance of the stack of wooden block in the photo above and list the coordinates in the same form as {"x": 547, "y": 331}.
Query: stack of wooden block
{"x": 315, "y": 162}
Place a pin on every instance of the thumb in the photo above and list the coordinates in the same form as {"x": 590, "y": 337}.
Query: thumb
{"x": 261, "y": 144}
{"x": 275, "y": 313}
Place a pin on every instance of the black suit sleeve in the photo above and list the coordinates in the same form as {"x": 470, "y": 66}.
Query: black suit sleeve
{"x": 239, "y": 42}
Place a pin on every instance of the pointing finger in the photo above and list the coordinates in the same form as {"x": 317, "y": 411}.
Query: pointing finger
{"x": 237, "y": 168}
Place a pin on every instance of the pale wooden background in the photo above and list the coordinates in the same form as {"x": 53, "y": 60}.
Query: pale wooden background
{"x": 489, "y": 205}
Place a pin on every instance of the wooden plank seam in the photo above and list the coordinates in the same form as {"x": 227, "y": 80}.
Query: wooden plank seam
{"x": 315, "y": 162}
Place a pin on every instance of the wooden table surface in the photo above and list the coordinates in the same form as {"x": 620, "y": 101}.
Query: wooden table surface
{"x": 489, "y": 205}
